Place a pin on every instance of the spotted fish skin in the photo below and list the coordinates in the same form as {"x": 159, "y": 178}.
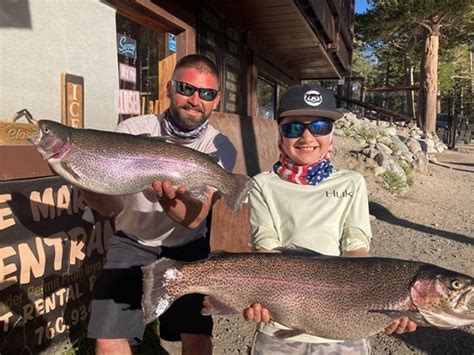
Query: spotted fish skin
{"x": 114, "y": 163}
{"x": 331, "y": 297}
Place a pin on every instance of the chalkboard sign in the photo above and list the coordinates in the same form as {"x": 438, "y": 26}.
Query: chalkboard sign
{"x": 49, "y": 258}
{"x": 232, "y": 70}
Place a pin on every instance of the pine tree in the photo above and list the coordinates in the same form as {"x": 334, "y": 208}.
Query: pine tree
{"x": 421, "y": 26}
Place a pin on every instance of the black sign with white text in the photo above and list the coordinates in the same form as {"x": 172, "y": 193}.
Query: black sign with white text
{"x": 49, "y": 259}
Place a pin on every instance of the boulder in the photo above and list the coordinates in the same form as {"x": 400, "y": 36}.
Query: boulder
{"x": 413, "y": 145}
{"x": 382, "y": 147}
{"x": 421, "y": 163}
{"x": 399, "y": 144}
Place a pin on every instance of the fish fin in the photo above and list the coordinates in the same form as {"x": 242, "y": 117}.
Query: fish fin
{"x": 414, "y": 316}
{"x": 157, "y": 277}
{"x": 67, "y": 167}
{"x": 237, "y": 193}
{"x": 212, "y": 306}
{"x": 199, "y": 193}
{"x": 213, "y": 157}
{"x": 443, "y": 320}
{"x": 288, "y": 333}
{"x": 294, "y": 249}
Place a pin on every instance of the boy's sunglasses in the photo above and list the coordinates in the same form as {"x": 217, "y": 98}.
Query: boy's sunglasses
{"x": 188, "y": 90}
{"x": 296, "y": 129}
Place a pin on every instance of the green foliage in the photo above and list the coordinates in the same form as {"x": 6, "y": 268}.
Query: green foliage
{"x": 395, "y": 30}
{"x": 454, "y": 64}
{"x": 408, "y": 169}
{"x": 393, "y": 182}
{"x": 366, "y": 134}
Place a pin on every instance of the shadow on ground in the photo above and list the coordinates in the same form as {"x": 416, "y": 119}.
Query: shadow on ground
{"x": 384, "y": 214}
{"x": 438, "y": 341}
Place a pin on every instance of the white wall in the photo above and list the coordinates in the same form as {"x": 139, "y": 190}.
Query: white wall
{"x": 73, "y": 36}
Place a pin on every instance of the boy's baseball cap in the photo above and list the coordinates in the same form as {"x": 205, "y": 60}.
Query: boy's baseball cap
{"x": 308, "y": 100}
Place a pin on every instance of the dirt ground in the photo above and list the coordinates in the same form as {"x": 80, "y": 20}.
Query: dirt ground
{"x": 433, "y": 222}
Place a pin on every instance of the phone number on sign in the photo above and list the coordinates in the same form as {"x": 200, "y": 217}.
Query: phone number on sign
{"x": 59, "y": 326}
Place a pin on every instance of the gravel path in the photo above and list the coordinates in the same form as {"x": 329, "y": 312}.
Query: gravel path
{"x": 433, "y": 223}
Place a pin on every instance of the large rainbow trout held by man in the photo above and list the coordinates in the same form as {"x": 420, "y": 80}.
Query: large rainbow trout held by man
{"x": 331, "y": 297}
{"x": 114, "y": 163}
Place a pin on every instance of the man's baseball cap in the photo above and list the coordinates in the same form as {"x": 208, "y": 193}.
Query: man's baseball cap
{"x": 308, "y": 100}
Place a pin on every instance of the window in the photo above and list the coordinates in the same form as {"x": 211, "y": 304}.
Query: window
{"x": 137, "y": 54}
{"x": 266, "y": 98}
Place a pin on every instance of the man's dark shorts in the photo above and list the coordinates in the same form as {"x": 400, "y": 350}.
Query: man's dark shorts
{"x": 116, "y": 306}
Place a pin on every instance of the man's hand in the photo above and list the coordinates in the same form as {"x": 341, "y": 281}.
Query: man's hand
{"x": 400, "y": 326}
{"x": 255, "y": 313}
{"x": 180, "y": 206}
{"x": 165, "y": 191}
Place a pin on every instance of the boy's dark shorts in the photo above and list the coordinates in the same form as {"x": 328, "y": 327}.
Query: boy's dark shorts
{"x": 116, "y": 305}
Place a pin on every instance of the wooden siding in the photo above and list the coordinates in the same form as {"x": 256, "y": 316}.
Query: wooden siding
{"x": 256, "y": 142}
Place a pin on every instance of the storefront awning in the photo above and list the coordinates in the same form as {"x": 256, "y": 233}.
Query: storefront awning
{"x": 311, "y": 38}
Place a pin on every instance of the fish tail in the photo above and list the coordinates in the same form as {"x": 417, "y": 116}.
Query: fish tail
{"x": 237, "y": 192}
{"x": 157, "y": 279}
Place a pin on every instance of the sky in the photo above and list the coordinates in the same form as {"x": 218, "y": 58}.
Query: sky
{"x": 360, "y": 6}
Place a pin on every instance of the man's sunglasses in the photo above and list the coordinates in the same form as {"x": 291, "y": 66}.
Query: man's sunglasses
{"x": 188, "y": 90}
{"x": 296, "y": 129}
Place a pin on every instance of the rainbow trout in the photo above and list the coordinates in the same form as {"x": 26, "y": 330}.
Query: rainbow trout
{"x": 114, "y": 163}
{"x": 331, "y": 297}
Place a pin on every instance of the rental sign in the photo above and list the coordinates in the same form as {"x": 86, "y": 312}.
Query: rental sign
{"x": 49, "y": 259}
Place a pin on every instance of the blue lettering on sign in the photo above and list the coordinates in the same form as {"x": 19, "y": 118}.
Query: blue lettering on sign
{"x": 126, "y": 46}
{"x": 172, "y": 42}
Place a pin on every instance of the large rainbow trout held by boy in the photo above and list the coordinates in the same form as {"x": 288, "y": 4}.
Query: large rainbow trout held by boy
{"x": 331, "y": 297}
{"x": 114, "y": 163}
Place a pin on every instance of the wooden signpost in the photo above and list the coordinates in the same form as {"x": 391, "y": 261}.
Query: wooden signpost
{"x": 72, "y": 100}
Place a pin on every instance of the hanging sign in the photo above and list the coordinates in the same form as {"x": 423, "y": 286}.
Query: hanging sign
{"x": 16, "y": 133}
{"x": 126, "y": 46}
{"x": 127, "y": 73}
{"x": 172, "y": 42}
{"x": 129, "y": 102}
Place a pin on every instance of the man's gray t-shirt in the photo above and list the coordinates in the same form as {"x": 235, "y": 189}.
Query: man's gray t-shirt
{"x": 143, "y": 217}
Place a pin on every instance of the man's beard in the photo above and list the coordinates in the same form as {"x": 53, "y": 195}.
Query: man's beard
{"x": 185, "y": 123}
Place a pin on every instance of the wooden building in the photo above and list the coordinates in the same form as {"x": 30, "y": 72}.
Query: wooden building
{"x": 261, "y": 48}
{"x": 121, "y": 54}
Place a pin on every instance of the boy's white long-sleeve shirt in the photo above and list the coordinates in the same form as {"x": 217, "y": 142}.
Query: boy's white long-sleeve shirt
{"x": 329, "y": 218}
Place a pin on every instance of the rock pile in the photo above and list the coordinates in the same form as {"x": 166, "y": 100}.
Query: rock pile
{"x": 391, "y": 151}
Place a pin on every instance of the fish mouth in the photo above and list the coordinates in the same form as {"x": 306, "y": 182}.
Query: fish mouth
{"x": 49, "y": 148}
{"x": 36, "y": 137}
{"x": 465, "y": 303}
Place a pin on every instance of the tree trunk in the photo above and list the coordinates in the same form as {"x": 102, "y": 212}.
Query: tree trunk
{"x": 429, "y": 81}
{"x": 385, "y": 83}
{"x": 410, "y": 94}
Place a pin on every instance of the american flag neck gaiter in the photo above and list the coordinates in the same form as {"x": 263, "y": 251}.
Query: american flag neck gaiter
{"x": 310, "y": 174}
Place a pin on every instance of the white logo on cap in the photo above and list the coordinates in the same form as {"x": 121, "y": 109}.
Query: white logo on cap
{"x": 313, "y": 98}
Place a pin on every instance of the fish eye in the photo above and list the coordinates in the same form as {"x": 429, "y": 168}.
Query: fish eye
{"x": 456, "y": 284}
{"x": 46, "y": 130}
